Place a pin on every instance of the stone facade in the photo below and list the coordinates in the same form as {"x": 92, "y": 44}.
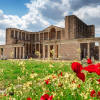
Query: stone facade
{"x": 53, "y": 42}
{"x": 75, "y": 28}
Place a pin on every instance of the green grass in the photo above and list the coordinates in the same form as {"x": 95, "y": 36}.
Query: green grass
{"x": 12, "y": 69}
{"x": 17, "y": 72}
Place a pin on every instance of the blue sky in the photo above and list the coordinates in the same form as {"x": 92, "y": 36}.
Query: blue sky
{"x": 35, "y": 15}
{"x": 14, "y": 7}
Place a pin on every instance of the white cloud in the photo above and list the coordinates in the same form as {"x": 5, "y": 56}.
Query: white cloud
{"x": 42, "y": 13}
{"x": 98, "y": 30}
{"x": 1, "y": 12}
{"x": 88, "y": 11}
{"x": 2, "y": 36}
{"x": 32, "y": 21}
{"x": 34, "y": 16}
{"x": 61, "y": 24}
{"x": 91, "y": 15}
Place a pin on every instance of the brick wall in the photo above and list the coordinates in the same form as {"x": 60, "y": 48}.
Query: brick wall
{"x": 9, "y": 39}
{"x": 76, "y": 28}
{"x": 70, "y": 50}
{"x": 8, "y": 52}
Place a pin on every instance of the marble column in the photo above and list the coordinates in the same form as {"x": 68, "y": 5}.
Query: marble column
{"x": 21, "y": 35}
{"x": 17, "y": 34}
{"x": 88, "y": 48}
{"x": 39, "y": 36}
{"x": 54, "y": 47}
{"x": 39, "y": 51}
{"x": 19, "y": 52}
{"x": 43, "y": 36}
{"x": 14, "y": 33}
{"x": 56, "y": 35}
{"x": 23, "y": 52}
{"x": 61, "y": 34}
{"x": 25, "y": 35}
{"x": 99, "y": 51}
{"x": 48, "y": 51}
{"x": 16, "y": 53}
{"x": 43, "y": 51}
{"x": 48, "y": 35}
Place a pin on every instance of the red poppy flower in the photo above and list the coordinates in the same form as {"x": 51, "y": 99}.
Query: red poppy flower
{"x": 60, "y": 74}
{"x": 5, "y": 94}
{"x": 93, "y": 93}
{"x": 81, "y": 76}
{"x": 91, "y": 68}
{"x": 98, "y": 81}
{"x": 89, "y": 61}
{"x": 98, "y": 71}
{"x": 76, "y": 67}
{"x": 98, "y": 95}
{"x": 98, "y": 68}
{"x": 47, "y": 81}
{"x": 98, "y": 64}
{"x": 46, "y": 97}
{"x": 29, "y": 98}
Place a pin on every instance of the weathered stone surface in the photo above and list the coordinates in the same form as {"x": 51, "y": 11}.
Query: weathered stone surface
{"x": 53, "y": 42}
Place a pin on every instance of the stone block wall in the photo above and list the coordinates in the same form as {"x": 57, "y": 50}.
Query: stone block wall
{"x": 8, "y": 52}
{"x": 76, "y": 28}
{"x": 70, "y": 51}
{"x": 9, "y": 39}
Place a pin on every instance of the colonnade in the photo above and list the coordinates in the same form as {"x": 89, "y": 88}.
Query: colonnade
{"x": 53, "y": 51}
{"x": 23, "y": 35}
{"x": 19, "y": 52}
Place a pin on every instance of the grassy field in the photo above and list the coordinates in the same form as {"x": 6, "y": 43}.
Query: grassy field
{"x": 22, "y": 79}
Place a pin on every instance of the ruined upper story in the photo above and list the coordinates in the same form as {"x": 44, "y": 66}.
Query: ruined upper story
{"x": 14, "y": 36}
{"x": 74, "y": 29}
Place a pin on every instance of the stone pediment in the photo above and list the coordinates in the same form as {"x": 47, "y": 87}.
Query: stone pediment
{"x": 52, "y": 26}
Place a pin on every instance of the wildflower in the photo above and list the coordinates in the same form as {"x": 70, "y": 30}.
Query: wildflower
{"x": 79, "y": 86}
{"x": 60, "y": 84}
{"x": 46, "y": 97}
{"x": 47, "y": 81}
{"x": 89, "y": 61}
{"x": 33, "y": 75}
{"x": 73, "y": 81}
{"x": 53, "y": 76}
{"x": 29, "y": 98}
{"x": 51, "y": 65}
{"x": 5, "y": 94}
{"x": 81, "y": 76}
{"x": 67, "y": 75}
{"x": 98, "y": 81}
{"x": 93, "y": 93}
{"x": 98, "y": 94}
{"x": 76, "y": 67}
{"x": 47, "y": 91}
{"x": 18, "y": 78}
{"x": 60, "y": 74}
